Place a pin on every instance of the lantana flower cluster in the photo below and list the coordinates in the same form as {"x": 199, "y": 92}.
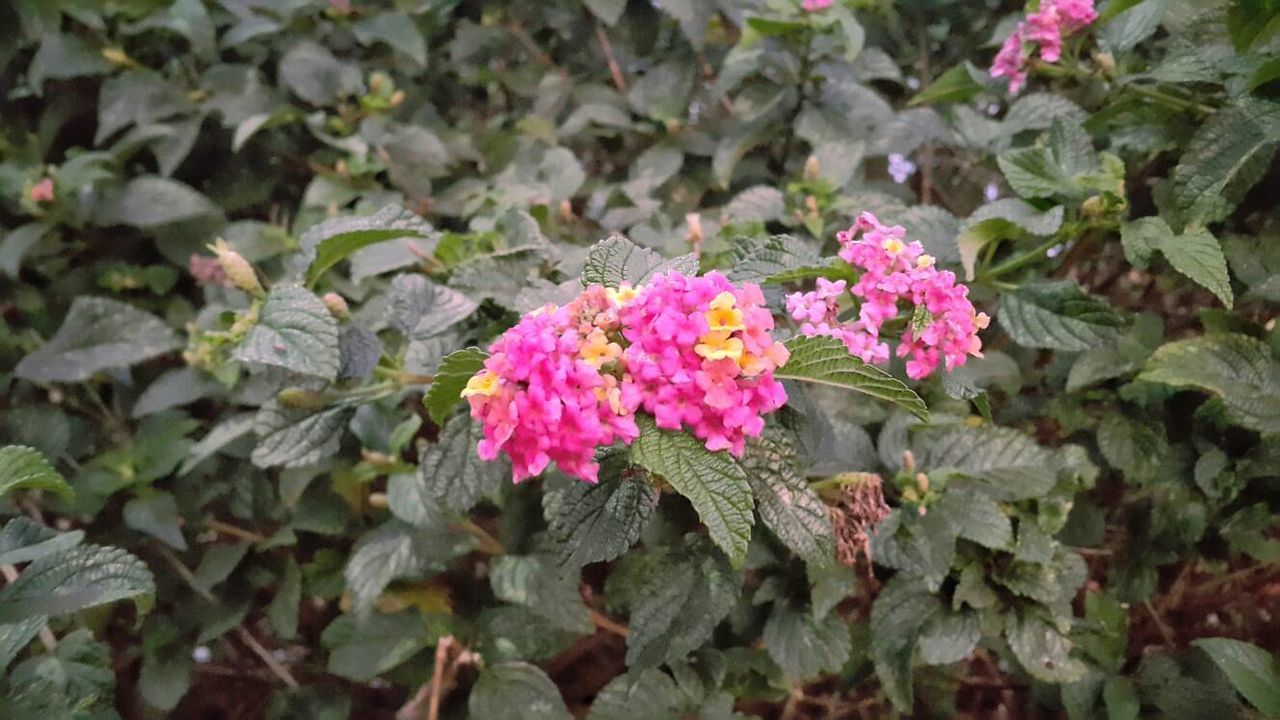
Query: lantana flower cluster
{"x": 943, "y": 329}
{"x": 695, "y": 352}
{"x": 1044, "y": 28}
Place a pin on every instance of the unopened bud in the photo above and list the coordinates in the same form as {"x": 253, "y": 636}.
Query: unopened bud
{"x": 1092, "y": 207}
{"x": 812, "y": 168}
{"x": 337, "y": 305}
{"x": 378, "y": 500}
{"x": 377, "y": 81}
{"x": 397, "y": 99}
{"x": 922, "y": 482}
{"x": 694, "y": 234}
{"x": 237, "y": 269}
{"x": 566, "y": 211}
{"x": 811, "y": 204}
{"x": 117, "y": 56}
{"x": 42, "y": 192}
{"x": 908, "y": 460}
{"x": 297, "y": 397}
{"x": 1106, "y": 62}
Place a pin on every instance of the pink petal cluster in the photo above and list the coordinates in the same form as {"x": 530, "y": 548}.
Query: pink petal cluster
{"x": 702, "y": 357}
{"x": 1044, "y": 28}
{"x": 695, "y": 352}
{"x": 815, "y": 5}
{"x": 945, "y": 325}
{"x": 550, "y": 389}
{"x": 42, "y": 192}
{"x": 208, "y": 271}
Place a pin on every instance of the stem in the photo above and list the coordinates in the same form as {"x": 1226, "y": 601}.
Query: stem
{"x": 607, "y": 624}
{"x": 1172, "y": 101}
{"x": 232, "y": 530}
{"x": 489, "y": 545}
{"x": 1017, "y": 263}
{"x": 805, "y": 69}
{"x": 619, "y": 80}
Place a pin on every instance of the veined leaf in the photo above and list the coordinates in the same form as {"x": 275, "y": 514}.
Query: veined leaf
{"x": 1058, "y": 315}
{"x": 450, "y": 379}
{"x": 826, "y": 361}
{"x": 24, "y": 468}
{"x": 596, "y": 523}
{"x": 516, "y": 691}
{"x": 295, "y": 331}
{"x": 23, "y": 540}
{"x": 616, "y": 260}
{"x": 1237, "y": 368}
{"x": 77, "y": 578}
{"x": 1252, "y": 670}
{"x": 97, "y": 334}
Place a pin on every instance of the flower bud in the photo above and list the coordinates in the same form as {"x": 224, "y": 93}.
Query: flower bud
{"x": 1092, "y": 207}
{"x": 1106, "y": 62}
{"x": 42, "y": 192}
{"x": 337, "y": 305}
{"x": 694, "y": 234}
{"x": 297, "y": 397}
{"x": 397, "y": 99}
{"x": 566, "y": 211}
{"x": 237, "y": 269}
{"x": 812, "y": 168}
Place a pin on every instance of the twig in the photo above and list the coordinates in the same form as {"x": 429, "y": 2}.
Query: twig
{"x": 232, "y": 530}
{"x": 274, "y": 665}
{"x": 47, "y": 637}
{"x": 1164, "y": 629}
{"x": 619, "y": 81}
{"x": 442, "y": 675}
{"x": 516, "y": 29}
{"x": 489, "y": 545}
{"x": 605, "y": 623}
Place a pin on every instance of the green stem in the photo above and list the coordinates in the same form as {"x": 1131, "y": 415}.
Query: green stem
{"x": 489, "y": 545}
{"x": 1017, "y": 263}
{"x": 805, "y": 69}
{"x": 1172, "y": 101}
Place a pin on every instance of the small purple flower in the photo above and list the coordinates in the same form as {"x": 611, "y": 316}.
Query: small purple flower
{"x": 991, "y": 192}
{"x": 900, "y": 168}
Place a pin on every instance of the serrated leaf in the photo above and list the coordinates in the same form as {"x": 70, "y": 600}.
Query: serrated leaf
{"x": 283, "y": 610}
{"x": 949, "y": 637}
{"x": 758, "y": 204}
{"x": 516, "y": 691}
{"x": 150, "y": 202}
{"x": 23, "y": 540}
{"x": 420, "y": 308}
{"x": 1227, "y": 156}
{"x": 397, "y": 550}
{"x": 616, "y": 260}
{"x": 450, "y": 473}
{"x": 219, "y": 436}
{"x": 826, "y": 361}
{"x": 157, "y": 516}
{"x": 336, "y": 239}
{"x": 805, "y": 647}
{"x": 1058, "y": 315}
{"x": 77, "y": 578}
{"x": 15, "y": 636}
{"x": 1011, "y": 465}
{"x": 900, "y": 611}
{"x": 450, "y": 380}
{"x": 788, "y": 506}
{"x": 24, "y": 468}
{"x": 677, "y": 607}
{"x": 713, "y": 482}
{"x": 363, "y": 648}
{"x": 217, "y": 564}
{"x": 97, "y": 334}
{"x": 295, "y": 331}
{"x": 757, "y": 261}
{"x": 1042, "y": 649}
{"x": 1253, "y": 671}
{"x": 597, "y": 523}
{"x": 295, "y": 437}
{"x": 955, "y": 85}
{"x": 1124, "y": 31}
{"x": 1237, "y": 368}
{"x": 977, "y": 517}
{"x": 1034, "y": 173}
{"x": 534, "y": 582}
{"x": 647, "y": 694}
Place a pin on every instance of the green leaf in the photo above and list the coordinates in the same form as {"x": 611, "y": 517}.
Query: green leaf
{"x": 949, "y": 637}
{"x": 682, "y": 598}
{"x": 516, "y": 691}
{"x": 150, "y": 202}
{"x": 421, "y": 308}
{"x": 296, "y": 437}
{"x": 451, "y": 474}
{"x": 316, "y": 76}
{"x": 283, "y": 610}
{"x": 647, "y": 694}
{"x": 1042, "y": 649}
{"x": 77, "y": 578}
{"x": 1058, "y": 315}
{"x": 295, "y": 331}
{"x": 900, "y": 611}
{"x": 756, "y": 262}
{"x": 362, "y": 648}
{"x": 1237, "y": 368}
{"x": 157, "y": 516}
{"x": 1010, "y": 465}
{"x": 713, "y": 482}
{"x": 1034, "y": 173}
{"x": 1227, "y": 156}
{"x": 1124, "y": 31}
{"x": 396, "y": 30}
{"x": 24, "y": 468}
{"x": 1195, "y": 253}
{"x": 97, "y": 334}
{"x": 16, "y": 243}
{"x": 616, "y": 260}
{"x": 977, "y": 517}
{"x": 165, "y": 677}
{"x": 533, "y": 581}
{"x": 1121, "y": 699}
{"x": 23, "y": 540}
{"x": 597, "y": 523}
{"x": 1252, "y": 670}
{"x": 756, "y": 204}
{"x": 805, "y": 647}
{"x": 334, "y": 240}
{"x": 826, "y": 361}
{"x": 450, "y": 380}
{"x": 397, "y": 550}
{"x": 16, "y": 636}
{"x": 63, "y": 56}
{"x": 217, "y": 564}
{"x": 609, "y": 11}
{"x": 788, "y": 506}
{"x": 959, "y": 84}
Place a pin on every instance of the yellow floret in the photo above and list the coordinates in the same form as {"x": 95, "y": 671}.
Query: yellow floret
{"x": 486, "y": 384}
{"x": 623, "y": 294}
{"x": 597, "y": 350}
{"x": 894, "y": 246}
{"x": 925, "y": 261}
{"x": 718, "y": 346}
{"x": 723, "y": 316}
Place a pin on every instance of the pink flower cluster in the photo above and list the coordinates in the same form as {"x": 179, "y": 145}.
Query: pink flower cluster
{"x": 815, "y": 5}
{"x": 702, "y": 356}
{"x": 943, "y": 327}
{"x": 695, "y": 352}
{"x": 1045, "y": 28}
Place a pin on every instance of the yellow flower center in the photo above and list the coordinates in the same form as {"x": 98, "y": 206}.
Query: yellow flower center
{"x": 486, "y": 384}
{"x": 597, "y": 350}
{"x": 724, "y": 317}
{"x": 925, "y": 261}
{"x": 718, "y": 345}
{"x": 622, "y": 295}
{"x": 894, "y": 246}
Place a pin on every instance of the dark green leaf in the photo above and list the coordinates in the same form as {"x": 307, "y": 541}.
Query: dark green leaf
{"x": 826, "y": 361}
{"x": 24, "y": 468}
{"x": 97, "y": 334}
{"x": 450, "y": 380}
{"x": 295, "y": 331}
{"x": 516, "y": 691}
